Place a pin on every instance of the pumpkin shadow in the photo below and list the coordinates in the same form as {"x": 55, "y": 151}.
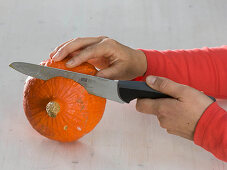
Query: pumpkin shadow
{"x": 73, "y": 151}
{"x": 73, "y": 146}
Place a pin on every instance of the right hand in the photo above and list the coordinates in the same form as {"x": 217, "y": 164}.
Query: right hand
{"x": 114, "y": 60}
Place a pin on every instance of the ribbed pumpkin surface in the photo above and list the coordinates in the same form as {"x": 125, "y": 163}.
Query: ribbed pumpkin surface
{"x": 76, "y": 111}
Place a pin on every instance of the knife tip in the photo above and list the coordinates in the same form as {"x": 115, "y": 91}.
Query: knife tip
{"x": 11, "y": 65}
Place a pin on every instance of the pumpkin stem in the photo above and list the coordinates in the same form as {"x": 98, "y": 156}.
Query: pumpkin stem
{"x": 52, "y": 108}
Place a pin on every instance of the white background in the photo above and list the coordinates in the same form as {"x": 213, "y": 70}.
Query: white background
{"x": 124, "y": 139}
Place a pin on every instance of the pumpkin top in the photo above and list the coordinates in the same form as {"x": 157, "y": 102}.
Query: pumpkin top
{"x": 84, "y": 68}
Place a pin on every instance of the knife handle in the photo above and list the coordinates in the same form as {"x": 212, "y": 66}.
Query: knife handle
{"x": 129, "y": 90}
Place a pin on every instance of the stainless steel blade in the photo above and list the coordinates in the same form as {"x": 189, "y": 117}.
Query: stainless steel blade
{"x": 94, "y": 85}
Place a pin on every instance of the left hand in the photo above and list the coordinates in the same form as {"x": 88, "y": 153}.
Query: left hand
{"x": 115, "y": 60}
{"x": 180, "y": 115}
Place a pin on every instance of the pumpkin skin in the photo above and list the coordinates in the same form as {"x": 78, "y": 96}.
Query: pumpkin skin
{"x": 60, "y": 108}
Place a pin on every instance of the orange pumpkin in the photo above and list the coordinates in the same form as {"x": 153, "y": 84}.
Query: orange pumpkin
{"x": 60, "y": 108}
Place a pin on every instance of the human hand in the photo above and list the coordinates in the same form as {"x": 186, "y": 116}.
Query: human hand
{"x": 179, "y": 116}
{"x": 114, "y": 60}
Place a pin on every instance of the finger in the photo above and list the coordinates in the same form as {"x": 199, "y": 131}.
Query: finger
{"x": 93, "y": 51}
{"x": 150, "y": 106}
{"x": 100, "y": 63}
{"x": 74, "y": 53}
{"x": 57, "y": 48}
{"x": 75, "y": 45}
{"x": 112, "y": 72}
{"x": 159, "y": 107}
{"x": 166, "y": 86}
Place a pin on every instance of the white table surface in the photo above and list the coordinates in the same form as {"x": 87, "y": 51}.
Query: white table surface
{"x": 124, "y": 139}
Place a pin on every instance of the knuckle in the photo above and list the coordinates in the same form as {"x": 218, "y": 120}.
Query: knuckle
{"x": 170, "y": 131}
{"x": 160, "y": 118}
{"x": 163, "y": 84}
{"x": 89, "y": 51}
{"x": 110, "y": 45}
{"x": 184, "y": 90}
{"x": 72, "y": 40}
{"x": 78, "y": 39}
{"x": 102, "y": 37}
{"x": 62, "y": 50}
{"x": 163, "y": 125}
{"x": 57, "y": 48}
{"x": 77, "y": 58}
{"x": 163, "y": 122}
{"x": 139, "y": 106}
{"x": 109, "y": 41}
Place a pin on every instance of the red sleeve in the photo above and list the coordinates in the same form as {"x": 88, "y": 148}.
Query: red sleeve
{"x": 203, "y": 69}
{"x": 206, "y": 70}
{"x": 211, "y": 131}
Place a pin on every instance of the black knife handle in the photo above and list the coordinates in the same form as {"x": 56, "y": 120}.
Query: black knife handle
{"x": 129, "y": 90}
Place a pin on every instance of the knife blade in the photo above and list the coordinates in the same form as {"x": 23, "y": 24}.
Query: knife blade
{"x": 94, "y": 85}
{"x": 116, "y": 90}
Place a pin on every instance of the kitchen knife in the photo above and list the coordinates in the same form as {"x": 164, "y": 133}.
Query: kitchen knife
{"x": 116, "y": 90}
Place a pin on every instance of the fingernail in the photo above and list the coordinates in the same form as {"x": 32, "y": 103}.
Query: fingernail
{"x": 69, "y": 63}
{"x": 55, "y": 56}
{"x": 151, "y": 79}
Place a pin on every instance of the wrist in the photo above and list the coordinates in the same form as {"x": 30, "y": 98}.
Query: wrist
{"x": 141, "y": 62}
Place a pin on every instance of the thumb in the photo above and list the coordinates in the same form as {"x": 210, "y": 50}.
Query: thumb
{"x": 165, "y": 86}
{"x": 108, "y": 73}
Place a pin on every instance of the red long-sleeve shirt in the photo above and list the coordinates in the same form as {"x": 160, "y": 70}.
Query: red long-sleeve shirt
{"x": 206, "y": 70}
